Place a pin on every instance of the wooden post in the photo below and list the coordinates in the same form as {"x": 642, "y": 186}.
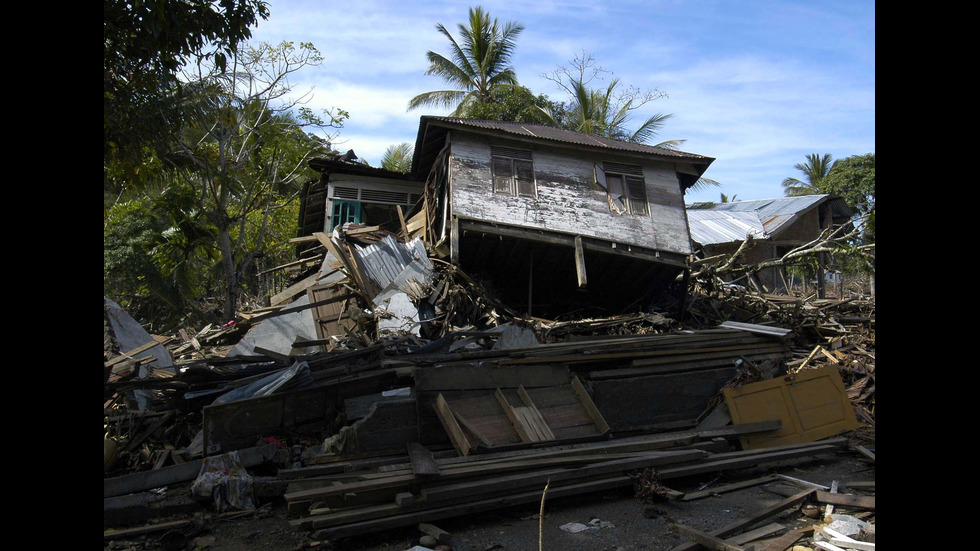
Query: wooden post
{"x": 454, "y": 241}
{"x": 580, "y": 263}
{"x": 530, "y": 279}
{"x": 821, "y": 276}
{"x": 401, "y": 220}
{"x": 682, "y": 311}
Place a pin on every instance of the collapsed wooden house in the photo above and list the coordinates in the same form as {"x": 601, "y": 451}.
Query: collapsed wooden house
{"x": 555, "y": 219}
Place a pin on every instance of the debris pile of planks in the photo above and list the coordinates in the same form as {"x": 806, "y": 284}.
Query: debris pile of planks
{"x": 844, "y": 522}
{"x": 388, "y": 388}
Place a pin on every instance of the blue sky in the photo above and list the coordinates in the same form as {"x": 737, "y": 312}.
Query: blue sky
{"x": 757, "y": 85}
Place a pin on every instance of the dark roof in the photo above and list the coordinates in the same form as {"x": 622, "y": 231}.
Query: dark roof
{"x": 520, "y": 130}
{"x": 323, "y": 164}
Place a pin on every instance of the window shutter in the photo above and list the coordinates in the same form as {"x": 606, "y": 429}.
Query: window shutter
{"x": 497, "y": 151}
{"x": 525, "y": 177}
{"x": 638, "y": 195}
{"x": 502, "y": 175}
{"x": 620, "y": 168}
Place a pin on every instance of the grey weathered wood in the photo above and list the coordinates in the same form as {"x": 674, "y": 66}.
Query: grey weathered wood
{"x": 847, "y": 500}
{"x": 705, "y": 539}
{"x": 423, "y": 464}
{"x": 758, "y": 533}
{"x": 758, "y": 516}
{"x": 728, "y": 488}
{"x": 454, "y": 241}
{"x": 568, "y": 201}
{"x": 175, "y": 474}
{"x": 580, "y": 263}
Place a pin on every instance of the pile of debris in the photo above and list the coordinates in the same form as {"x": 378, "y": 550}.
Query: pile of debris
{"x": 389, "y": 389}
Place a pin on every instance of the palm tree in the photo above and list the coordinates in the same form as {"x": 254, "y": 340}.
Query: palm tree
{"x": 398, "y": 158}
{"x": 606, "y": 113}
{"x": 815, "y": 170}
{"x": 477, "y": 63}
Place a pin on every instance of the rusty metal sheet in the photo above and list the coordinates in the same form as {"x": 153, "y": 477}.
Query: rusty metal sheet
{"x": 812, "y": 404}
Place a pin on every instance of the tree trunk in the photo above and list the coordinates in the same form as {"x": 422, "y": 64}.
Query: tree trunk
{"x": 231, "y": 275}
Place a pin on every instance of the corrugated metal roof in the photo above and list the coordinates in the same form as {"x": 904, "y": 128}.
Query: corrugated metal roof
{"x": 542, "y": 132}
{"x": 728, "y": 222}
{"x": 710, "y": 227}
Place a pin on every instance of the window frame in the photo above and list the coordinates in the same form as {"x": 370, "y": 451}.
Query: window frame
{"x": 517, "y": 161}
{"x": 629, "y": 176}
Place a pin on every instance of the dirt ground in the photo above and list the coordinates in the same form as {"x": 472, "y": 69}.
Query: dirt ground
{"x": 620, "y": 522}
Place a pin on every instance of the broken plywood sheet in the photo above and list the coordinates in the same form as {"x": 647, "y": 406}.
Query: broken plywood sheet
{"x": 331, "y": 317}
{"x": 812, "y": 404}
{"x": 514, "y": 417}
{"x": 465, "y": 381}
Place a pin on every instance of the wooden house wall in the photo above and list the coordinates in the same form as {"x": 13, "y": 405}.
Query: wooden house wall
{"x": 568, "y": 199}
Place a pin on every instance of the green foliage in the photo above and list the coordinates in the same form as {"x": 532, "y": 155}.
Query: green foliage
{"x": 815, "y": 169}
{"x": 511, "y": 104}
{"x": 158, "y": 255}
{"x": 224, "y": 197}
{"x": 607, "y": 111}
{"x": 398, "y": 158}
{"x": 145, "y": 44}
{"x": 853, "y": 179}
{"x": 477, "y": 64}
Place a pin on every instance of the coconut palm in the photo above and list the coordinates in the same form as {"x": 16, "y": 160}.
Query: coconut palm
{"x": 607, "y": 113}
{"x": 476, "y": 64}
{"x": 398, "y": 158}
{"x": 815, "y": 169}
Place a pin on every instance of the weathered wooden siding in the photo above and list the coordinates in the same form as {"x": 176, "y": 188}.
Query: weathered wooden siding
{"x": 568, "y": 200}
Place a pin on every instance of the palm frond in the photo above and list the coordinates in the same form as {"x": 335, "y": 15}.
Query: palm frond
{"x": 439, "y": 98}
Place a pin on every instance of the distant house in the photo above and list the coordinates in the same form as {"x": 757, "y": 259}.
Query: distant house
{"x": 553, "y": 220}
{"x": 779, "y": 224}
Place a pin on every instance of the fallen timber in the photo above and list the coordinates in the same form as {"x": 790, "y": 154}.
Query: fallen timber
{"x": 481, "y": 494}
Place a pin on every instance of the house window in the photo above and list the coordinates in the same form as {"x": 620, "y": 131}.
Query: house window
{"x": 513, "y": 171}
{"x": 627, "y": 190}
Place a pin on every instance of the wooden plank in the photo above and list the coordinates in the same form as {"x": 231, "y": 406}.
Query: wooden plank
{"x": 865, "y": 452}
{"x": 127, "y": 484}
{"x": 456, "y": 436}
{"x": 523, "y": 481}
{"x": 290, "y": 292}
{"x": 110, "y": 535}
{"x": 303, "y": 239}
{"x": 128, "y": 355}
{"x": 401, "y": 220}
{"x": 846, "y": 500}
{"x": 757, "y": 517}
{"x": 829, "y": 509}
{"x": 803, "y": 483}
{"x": 705, "y": 539}
{"x": 728, "y": 488}
{"x": 812, "y": 404}
{"x": 516, "y": 420}
{"x": 758, "y": 533}
{"x": 534, "y": 416}
{"x": 454, "y": 241}
{"x": 489, "y": 377}
{"x": 465, "y": 423}
{"x": 580, "y": 263}
{"x": 388, "y": 518}
{"x": 423, "y": 464}
{"x": 785, "y": 541}
{"x": 590, "y": 406}
{"x": 736, "y": 460}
